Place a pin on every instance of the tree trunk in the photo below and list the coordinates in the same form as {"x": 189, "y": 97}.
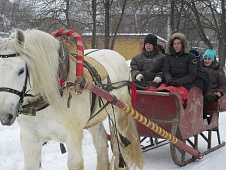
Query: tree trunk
{"x": 118, "y": 25}
{"x": 107, "y": 25}
{"x": 93, "y": 41}
{"x": 172, "y": 18}
{"x": 200, "y": 29}
{"x": 67, "y": 14}
{"x": 222, "y": 38}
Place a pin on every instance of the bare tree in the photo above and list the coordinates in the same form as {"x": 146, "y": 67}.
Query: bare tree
{"x": 222, "y": 35}
{"x": 107, "y": 6}
{"x": 118, "y": 24}
{"x": 4, "y": 7}
{"x": 209, "y": 21}
{"x": 93, "y": 41}
{"x": 200, "y": 20}
{"x": 15, "y": 14}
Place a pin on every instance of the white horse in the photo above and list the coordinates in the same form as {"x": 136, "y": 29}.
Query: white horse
{"x": 30, "y": 60}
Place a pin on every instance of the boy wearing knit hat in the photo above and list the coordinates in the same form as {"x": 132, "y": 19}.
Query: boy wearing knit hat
{"x": 151, "y": 39}
{"x": 146, "y": 67}
{"x": 201, "y": 74}
{"x": 195, "y": 52}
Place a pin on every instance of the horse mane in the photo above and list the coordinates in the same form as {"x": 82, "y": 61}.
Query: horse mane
{"x": 42, "y": 58}
{"x": 8, "y": 43}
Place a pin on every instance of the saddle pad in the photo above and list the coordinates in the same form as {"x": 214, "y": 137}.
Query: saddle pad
{"x": 99, "y": 68}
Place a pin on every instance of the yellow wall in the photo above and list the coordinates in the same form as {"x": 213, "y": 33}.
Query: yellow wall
{"x": 127, "y": 47}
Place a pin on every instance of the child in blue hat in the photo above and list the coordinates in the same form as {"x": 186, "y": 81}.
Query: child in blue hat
{"x": 217, "y": 80}
{"x": 210, "y": 54}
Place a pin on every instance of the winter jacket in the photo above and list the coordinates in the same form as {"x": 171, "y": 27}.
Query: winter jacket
{"x": 202, "y": 79}
{"x": 217, "y": 77}
{"x": 180, "y": 67}
{"x": 149, "y": 64}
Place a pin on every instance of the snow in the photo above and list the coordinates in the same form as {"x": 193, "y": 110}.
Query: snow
{"x": 12, "y": 157}
{"x": 128, "y": 62}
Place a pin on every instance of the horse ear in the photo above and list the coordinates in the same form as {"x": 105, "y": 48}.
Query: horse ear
{"x": 20, "y": 36}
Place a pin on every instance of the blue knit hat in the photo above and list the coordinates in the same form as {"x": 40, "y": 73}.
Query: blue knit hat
{"x": 210, "y": 54}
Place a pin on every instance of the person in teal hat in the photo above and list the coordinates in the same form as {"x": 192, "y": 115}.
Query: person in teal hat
{"x": 209, "y": 55}
{"x": 217, "y": 80}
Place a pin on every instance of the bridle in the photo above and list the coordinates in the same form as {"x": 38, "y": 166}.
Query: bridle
{"x": 22, "y": 93}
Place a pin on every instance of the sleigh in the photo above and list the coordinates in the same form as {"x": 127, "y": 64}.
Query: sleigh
{"x": 185, "y": 121}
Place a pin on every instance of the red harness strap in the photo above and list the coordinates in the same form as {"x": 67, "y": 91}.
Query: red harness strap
{"x": 133, "y": 92}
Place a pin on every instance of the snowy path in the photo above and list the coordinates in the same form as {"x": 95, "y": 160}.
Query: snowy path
{"x": 160, "y": 159}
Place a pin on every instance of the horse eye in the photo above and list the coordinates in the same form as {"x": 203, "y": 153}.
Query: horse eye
{"x": 21, "y": 71}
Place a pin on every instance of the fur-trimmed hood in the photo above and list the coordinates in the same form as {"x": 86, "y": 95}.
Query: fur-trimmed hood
{"x": 182, "y": 37}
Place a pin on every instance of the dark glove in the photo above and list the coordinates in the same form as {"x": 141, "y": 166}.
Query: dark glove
{"x": 169, "y": 82}
{"x": 173, "y": 82}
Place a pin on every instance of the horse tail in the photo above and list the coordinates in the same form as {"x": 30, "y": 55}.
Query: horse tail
{"x": 125, "y": 142}
{"x": 134, "y": 150}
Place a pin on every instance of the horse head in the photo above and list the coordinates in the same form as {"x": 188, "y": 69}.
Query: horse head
{"x": 13, "y": 77}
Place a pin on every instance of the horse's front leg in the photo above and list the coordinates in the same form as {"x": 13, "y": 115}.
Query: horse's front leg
{"x": 74, "y": 147}
{"x": 32, "y": 149}
{"x": 99, "y": 137}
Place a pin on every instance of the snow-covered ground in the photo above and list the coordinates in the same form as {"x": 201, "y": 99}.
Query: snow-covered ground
{"x": 11, "y": 156}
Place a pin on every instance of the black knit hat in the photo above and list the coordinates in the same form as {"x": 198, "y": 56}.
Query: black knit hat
{"x": 150, "y": 38}
{"x": 195, "y": 52}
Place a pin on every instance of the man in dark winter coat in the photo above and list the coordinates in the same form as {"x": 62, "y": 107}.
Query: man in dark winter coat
{"x": 146, "y": 68}
{"x": 217, "y": 79}
{"x": 180, "y": 67}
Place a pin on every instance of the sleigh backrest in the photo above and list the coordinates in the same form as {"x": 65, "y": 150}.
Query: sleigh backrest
{"x": 162, "y": 108}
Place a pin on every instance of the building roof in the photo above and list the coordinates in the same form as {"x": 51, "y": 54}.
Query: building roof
{"x": 128, "y": 34}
